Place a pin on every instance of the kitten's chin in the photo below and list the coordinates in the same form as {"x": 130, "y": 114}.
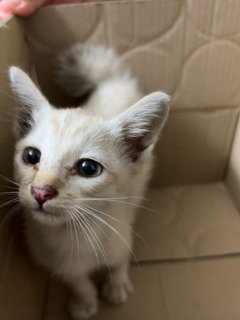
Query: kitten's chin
{"x": 45, "y": 214}
{"x": 47, "y": 217}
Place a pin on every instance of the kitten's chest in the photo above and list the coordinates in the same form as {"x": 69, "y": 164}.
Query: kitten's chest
{"x": 60, "y": 249}
{"x": 63, "y": 250}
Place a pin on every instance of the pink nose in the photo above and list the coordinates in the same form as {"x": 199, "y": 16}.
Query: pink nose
{"x": 44, "y": 193}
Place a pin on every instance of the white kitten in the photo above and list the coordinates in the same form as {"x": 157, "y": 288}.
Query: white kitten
{"x": 80, "y": 169}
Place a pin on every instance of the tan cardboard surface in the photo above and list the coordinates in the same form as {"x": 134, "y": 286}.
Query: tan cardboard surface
{"x": 12, "y": 51}
{"x": 233, "y": 171}
{"x": 22, "y": 283}
{"x": 187, "y": 48}
{"x": 191, "y": 221}
{"x": 161, "y": 47}
{"x": 198, "y": 289}
{"x": 189, "y": 290}
{"x": 191, "y": 50}
{"x": 194, "y": 147}
{"x": 188, "y": 221}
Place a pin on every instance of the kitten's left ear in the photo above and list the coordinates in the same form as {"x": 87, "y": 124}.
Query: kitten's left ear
{"x": 139, "y": 126}
{"x": 30, "y": 100}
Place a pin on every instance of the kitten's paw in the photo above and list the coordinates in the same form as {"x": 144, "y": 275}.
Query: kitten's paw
{"x": 82, "y": 310}
{"x": 117, "y": 293}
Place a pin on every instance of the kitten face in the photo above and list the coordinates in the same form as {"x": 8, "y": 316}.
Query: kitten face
{"x": 65, "y": 137}
{"x": 58, "y": 148}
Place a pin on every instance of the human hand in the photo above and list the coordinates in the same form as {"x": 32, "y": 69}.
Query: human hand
{"x": 19, "y": 7}
{"x": 27, "y": 7}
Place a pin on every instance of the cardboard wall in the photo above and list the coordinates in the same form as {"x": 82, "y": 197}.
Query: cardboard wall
{"x": 179, "y": 47}
{"x": 233, "y": 171}
{"x": 22, "y": 283}
{"x": 13, "y": 52}
{"x": 189, "y": 267}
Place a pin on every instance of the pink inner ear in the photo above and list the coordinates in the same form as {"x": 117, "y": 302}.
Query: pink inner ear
{"x": 134, "y": 147}
{"x": 139, "y": 126}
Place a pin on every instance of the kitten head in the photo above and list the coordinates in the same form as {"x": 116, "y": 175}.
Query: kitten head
{"x": 68, "y": 159}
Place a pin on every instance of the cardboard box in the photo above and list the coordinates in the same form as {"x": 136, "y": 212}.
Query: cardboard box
{"x": 190, "y": 266}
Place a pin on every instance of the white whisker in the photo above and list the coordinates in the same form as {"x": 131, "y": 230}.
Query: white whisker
{"x": 9, "y": 187}
{"x": 9, "y": 216}
{"x": 69, "y": 227}
{"x": 114, "y": 230}
{"x": 8, "y": 202}
{"x": 77, "y": 240}
{"x": 8, "y": 192}
{"x": 96, "y": 239}
{"x": 85, "y": 230}
{"x": 87, "y": 227}
{"x": 117, "y": 220}
{"x": 10, "y": 180}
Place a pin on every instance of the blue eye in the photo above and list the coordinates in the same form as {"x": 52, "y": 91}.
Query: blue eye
{"x": 88, "y": 168}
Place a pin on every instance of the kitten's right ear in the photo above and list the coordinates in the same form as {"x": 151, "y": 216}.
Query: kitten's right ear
{"x": 29, "y": 99}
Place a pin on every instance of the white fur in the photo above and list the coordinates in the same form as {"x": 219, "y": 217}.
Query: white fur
{"x": 69, "y": 241}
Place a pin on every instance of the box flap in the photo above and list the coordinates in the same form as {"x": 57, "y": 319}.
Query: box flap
{"x": 203, "y": 289}
{"x": 194, "y": 147}
{"x": 189, "y": 221}
{"x": 189, "y": 49}
{"x": 22, "y": 284}
{"x": 14, "y": 53}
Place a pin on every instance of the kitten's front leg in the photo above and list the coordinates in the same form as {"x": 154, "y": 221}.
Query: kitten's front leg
{"x": 118, "y": 285}
{"x": 84, "y": 302}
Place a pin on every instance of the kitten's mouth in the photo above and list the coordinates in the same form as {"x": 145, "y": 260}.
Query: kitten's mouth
{"x": 42, "y": 210}
{"x": 46, "y": 211}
